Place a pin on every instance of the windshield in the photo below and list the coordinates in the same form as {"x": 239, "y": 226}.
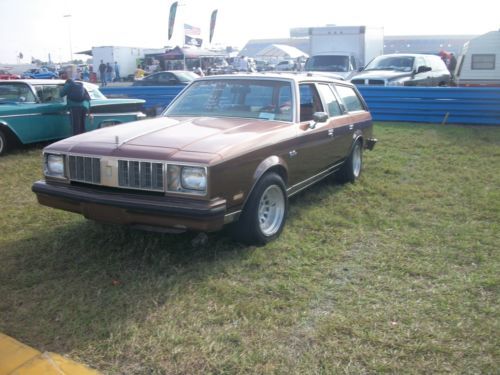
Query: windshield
{"x": 328, "y": 63}
{"x": 399, "y": 63}
{"x": 16, "y": 93}
{"x": 258, "y": 99}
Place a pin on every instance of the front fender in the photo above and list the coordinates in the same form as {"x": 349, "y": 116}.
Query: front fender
{"x": 274, "y": 163}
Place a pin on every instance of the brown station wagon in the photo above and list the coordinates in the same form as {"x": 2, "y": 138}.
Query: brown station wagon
{"x": 228, "y": 149}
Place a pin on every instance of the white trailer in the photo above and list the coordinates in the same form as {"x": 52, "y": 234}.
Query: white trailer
{"x": 126, "y": 57}
{"x": 479, "y": 62}
{"x": 348, "y": 47}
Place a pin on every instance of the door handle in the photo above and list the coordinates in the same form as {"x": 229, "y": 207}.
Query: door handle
{"x": 351, "y": 127}
{"x": 331, "y": 133}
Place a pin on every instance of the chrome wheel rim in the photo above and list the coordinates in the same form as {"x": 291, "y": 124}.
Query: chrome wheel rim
{"x": 356, "y": 160}
{"x": 2, "y": 145}
{"x": 271, "y": 210}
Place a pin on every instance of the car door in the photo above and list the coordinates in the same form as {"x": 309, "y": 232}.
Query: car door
{"x": 313, "y": 149}
{"x": 338, "y": 123}
{"x": 54, "y": 122}
{"x": 423, "y": 78}
{"x": 354, "y": 119}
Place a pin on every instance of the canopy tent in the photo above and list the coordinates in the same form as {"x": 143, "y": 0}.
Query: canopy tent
{"x": 280, "y": 51}
{"x": 186, "y": 58}
{"x": 189, "y": 53}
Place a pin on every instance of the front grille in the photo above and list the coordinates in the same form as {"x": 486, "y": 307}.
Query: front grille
{"x": 85, "y": 169}
{"x": 140, "y": 175}
{"x": 379, "y": 82}
{"x": 375, "y": 82}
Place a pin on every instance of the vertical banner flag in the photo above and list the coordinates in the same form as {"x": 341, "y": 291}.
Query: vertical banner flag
{"x": 171, "y": 19}
{"x": 212, "y": 25}
{"x": 192, "y": 35}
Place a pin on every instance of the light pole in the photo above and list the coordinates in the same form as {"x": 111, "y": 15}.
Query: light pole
{"x": 68, "y": 16}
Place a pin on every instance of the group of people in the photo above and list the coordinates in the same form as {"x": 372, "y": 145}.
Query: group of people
{"x": 109, "y": 73}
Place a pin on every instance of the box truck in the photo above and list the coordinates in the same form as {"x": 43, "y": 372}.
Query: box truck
{"x": 127, "y": 58}
{"x": 343, "y": 50}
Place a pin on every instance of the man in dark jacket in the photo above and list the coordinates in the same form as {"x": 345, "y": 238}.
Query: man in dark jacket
{"x": 102, "y": 73}
{"x": 78, "y": 102}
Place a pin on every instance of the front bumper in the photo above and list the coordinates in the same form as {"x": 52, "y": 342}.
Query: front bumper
{"x": 144, "y": 211}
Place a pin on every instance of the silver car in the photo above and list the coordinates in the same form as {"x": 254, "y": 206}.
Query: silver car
{"x": 404, "y": 70}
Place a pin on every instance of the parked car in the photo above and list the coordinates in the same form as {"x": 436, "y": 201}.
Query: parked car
{"x": 404, "y": 70}
{"x": 4, "y": 74}
{"x": 167, "y": 78}
{"x": 41, "y": 73}
{"x": 33, "y": 111}
{"x": 284, "y": 66}
{"x": 228, "y": 149}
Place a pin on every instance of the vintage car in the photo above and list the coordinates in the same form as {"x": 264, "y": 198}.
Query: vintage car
{"x": 404, "y": 70}
{"x": 167, "y": 78}
{"x": 228, "y": 149}
{"x": 40, "y": 73}
{"x": 33, "y": 111}
{"x": 4, "y": 74}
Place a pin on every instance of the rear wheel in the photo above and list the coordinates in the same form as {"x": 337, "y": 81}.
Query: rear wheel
{"x": 3, "y": 142}
{"x": 265, "y": 212}
{"x": 351, "y": 170}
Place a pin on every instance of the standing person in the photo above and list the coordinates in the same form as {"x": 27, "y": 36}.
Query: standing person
{"x": 78, "y": 102}
{"x": 117, "y": 72}
{"x": 102, "y": 73}
{"x": 85, "y": 73}
{"x": 452, "y": 64}
{"x": 139, "y": 73}
{"x": 109, "y": 72}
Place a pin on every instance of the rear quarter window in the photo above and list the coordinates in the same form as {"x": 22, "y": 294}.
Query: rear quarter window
{"x": 350, "y": 98}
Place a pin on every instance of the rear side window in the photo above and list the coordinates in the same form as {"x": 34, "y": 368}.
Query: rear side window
{"x": 350, "y": 98}
{"x": 330, "y": 100}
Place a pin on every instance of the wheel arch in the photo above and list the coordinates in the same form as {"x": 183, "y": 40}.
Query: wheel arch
{"x": 357, "y": 136}
{"x": 274, "y": 164}
{"x": 9, "y": 132}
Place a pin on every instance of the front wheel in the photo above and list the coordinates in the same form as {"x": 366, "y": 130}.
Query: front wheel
{"x": 265, "y": 212}
{"x": 351, "y": 170}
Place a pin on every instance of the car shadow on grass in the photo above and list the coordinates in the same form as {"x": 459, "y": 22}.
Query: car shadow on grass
{"x": 78, "y": 284}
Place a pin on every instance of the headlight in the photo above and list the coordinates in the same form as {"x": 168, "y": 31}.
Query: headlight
{"x": 186, "y": 179}
{"x": 54, "y": 165}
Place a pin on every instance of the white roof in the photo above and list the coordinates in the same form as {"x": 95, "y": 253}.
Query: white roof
{"x": 281, "y": 50}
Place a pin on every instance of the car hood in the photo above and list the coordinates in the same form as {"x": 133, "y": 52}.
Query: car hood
{"x": 382, "y": 74}
{"x": 335, "y": 75}
{"x": 190, "y": 139}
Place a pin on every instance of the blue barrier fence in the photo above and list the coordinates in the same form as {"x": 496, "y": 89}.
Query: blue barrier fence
{"x": 457, "y": 105}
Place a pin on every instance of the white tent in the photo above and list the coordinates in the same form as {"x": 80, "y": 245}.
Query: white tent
{"x": 280, "y": 51}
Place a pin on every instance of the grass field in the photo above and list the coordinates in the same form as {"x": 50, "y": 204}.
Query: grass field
{"x": 398, "y": 273}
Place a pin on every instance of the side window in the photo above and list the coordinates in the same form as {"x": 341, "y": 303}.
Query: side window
{"x": 309, "y": 102}
{"x": 330, "y": 100}
{"x": 350, "y": 98}
{"x": 483, "y": 62}
{"x": 419, "y": 61}
{"x": 49, "y": 94}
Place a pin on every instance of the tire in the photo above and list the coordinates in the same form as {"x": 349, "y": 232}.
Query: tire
{"x": 351, "y": 170}
{"x": 264, "y": 215}
{"x": 3, "y": 143}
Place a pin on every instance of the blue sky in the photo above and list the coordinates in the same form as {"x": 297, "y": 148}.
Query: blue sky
{"x": 37, "y": 27}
